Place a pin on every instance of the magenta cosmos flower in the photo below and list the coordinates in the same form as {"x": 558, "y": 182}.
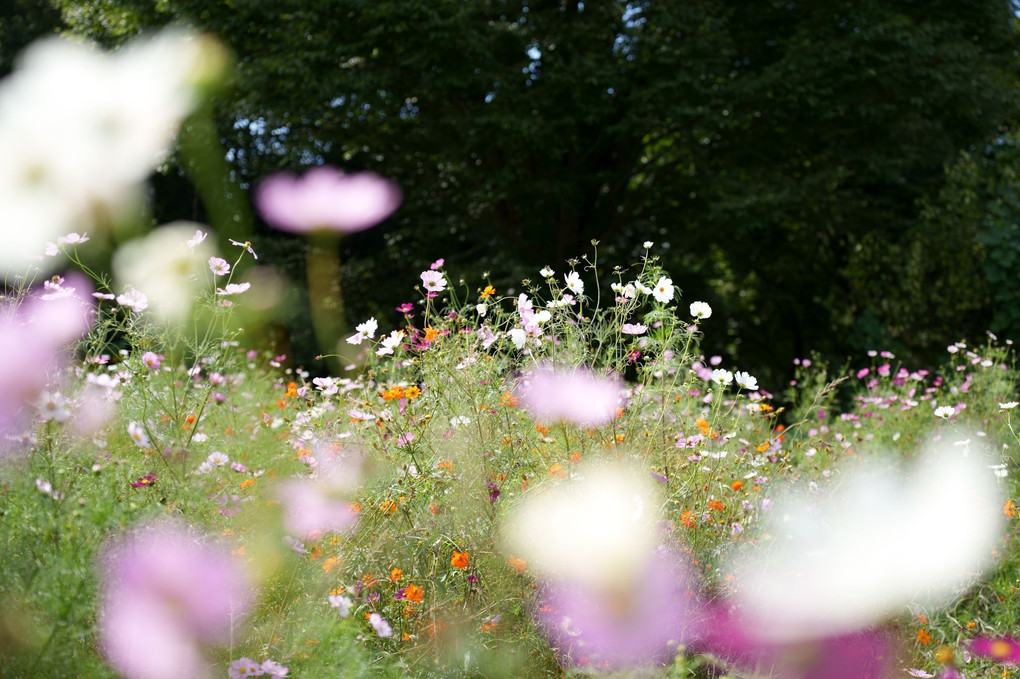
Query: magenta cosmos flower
{"x": 165, "y": 593}
{"x": 326, "y": 199}
{"x": 574, "y": 395}
{"x": 862, "y": 654}
{"x": 1001, "y": 649}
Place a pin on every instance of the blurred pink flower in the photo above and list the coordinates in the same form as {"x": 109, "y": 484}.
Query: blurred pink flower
{"x": 863, "y": 654}
{"x": 165, "y": 592}
{"x": 624, "y": 626}
{"x": 321, "y": 503}
{"x": 575, "y": 395}
{"x": 326, "y": 199}
{"x": 33, "y": 340}
{"x": 1000, "y": 649}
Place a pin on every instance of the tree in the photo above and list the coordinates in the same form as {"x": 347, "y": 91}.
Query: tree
{"x": 763, "y": 144}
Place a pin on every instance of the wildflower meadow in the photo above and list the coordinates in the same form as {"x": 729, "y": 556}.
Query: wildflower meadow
{"x": 551, "y": 479}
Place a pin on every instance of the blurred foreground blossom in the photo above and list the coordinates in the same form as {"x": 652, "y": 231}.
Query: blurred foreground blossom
{"x": 1000, "y": 649}
{"x": 870, "y": 536}
{"x": 865, "y": 654}
{"x": 322, "y": 502}
{"x": 326, "y": 199}
{"x": 599, "y": 531}
{"x": 165, "y": 593}
{"x": 624, "y": 625}
{"x": 574, "y": 395}
{"x": 166, "y": 269}
{"x": 33, "y": 338}
{"x": 82, "y": 129}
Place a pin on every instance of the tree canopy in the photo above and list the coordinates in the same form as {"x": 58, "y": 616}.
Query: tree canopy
{"x": 783, "y": 155}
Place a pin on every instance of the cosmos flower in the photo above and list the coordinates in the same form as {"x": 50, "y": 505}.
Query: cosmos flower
{"x": 866, "y": 535}
{"x": 166, "y": 592}
{"x": 663, "y": 290}
{"x": 598, "y": 531}
{"x": 574, "y": 283}
{"x": 631, "y": 624}
{"x": 433, "y": 281}
{"x": 701, "y": 310}
{"x": 322, "y": 503}
{"x": 574, "y": 395}
{"x": 326, "y": 199}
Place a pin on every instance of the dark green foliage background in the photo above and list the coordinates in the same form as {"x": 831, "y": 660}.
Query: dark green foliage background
{"x": 831, "y": 176}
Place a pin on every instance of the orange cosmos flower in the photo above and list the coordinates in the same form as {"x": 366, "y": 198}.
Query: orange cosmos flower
{"x": 396, "y": 575}
{"x": 488, "y": 292}
{"x": 414, "y": 594}
{"x": 459, "y": 559}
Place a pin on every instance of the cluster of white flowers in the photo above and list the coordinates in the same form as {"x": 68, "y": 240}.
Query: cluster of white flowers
{"x": 663, "y": 290}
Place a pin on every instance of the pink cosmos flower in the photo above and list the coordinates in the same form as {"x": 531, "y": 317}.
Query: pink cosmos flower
{"x": 321, "y": 503}
{"x": 165, "y": 592}
{"x": 623, "y": 626}
{"x": 574, "y": 395}
{"x": 326, "y": 199}
{"x": 32, "y": 343}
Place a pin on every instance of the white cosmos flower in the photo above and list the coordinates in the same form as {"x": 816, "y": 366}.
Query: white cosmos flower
{"x": 599, "y": 530}
{"x": 138, "y": 435}
{"x": 134, "y": 300}
{"x": 518, "y": 336}
{"x": 390, "y": 343}
{"x": 169, "y": 272}
{"x": 574, "y": 282}
{"x": 648, "y": 244}
{"x": 82, "y": 129}
{"x": 365, "y": 331}
{"x": 663, "y": 290}
{"x": 848, "y": 559}
{"x": 945, "y": 412}
{"x": 482, "y": 309}
{"x": 745, "y": 380}
{"x": 546, "y": 272}
{"x": 701, "y": 310}
{"x": 721, "y": 376}
{"x": 1008, "y": 405}
{"x": 434, "y": 281}
{"x": 234, "y": 289}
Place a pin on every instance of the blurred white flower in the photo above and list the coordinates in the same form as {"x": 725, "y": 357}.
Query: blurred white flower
{"x": 82, "y": 129}
{"x": 1008, "y": 405}
{"x": 166, "y": 269}
{"x": 837, "y": 563}
{"x": 546, "y": 272}
{"x": 945, "y": 412}
{"x": 600, "y": 530}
